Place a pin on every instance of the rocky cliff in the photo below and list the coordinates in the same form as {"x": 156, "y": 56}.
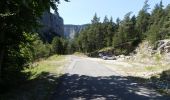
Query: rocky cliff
{"x": 71, "y": 30}
{"x": 52, "y": 25}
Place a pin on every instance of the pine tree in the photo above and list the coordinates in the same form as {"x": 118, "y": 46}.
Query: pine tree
{"x": 165, "y": 30}
{"x": 95, "y": 19}
{"x": 143, "y": 23}
{"x": 106, "y": 20}
{"x": 110, "y": 32}
{"x": 153, "y": 33}
{"x": 158, "y": 14}
{"x": 157, "y": 20}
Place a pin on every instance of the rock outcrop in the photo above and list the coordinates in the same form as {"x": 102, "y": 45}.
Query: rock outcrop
{"x": 163, "y": 46}
{"x": 71, "y": 30}
{"x": 159, "y": 53}
{"x": 52, "y": 25}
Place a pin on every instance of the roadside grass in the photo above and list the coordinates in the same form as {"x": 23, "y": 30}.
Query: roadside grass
{"x": 142, "y": 70}
{"x": 153, "y": 68}
{"x": 52, "y": 65}
{"x": 79, "y": 54}
{"x": 43, "y": 80}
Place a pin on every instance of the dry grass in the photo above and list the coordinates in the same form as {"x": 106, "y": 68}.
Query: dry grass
{"x": 144, "y": 71}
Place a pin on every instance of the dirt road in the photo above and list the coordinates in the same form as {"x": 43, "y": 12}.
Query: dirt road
{"x": 88, "y": 80}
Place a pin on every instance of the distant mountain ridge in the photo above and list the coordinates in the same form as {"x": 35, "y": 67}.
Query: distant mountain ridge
{"x": 70, "y": 30}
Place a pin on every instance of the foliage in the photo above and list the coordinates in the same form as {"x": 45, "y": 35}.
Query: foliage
{"x": 19, "y": 20}
{"x": 165, "y": 30}
{"x": 125, "y": 34}
{"x": 95, "y": 36}
{"x": 156, "y": 20}
{"x": 56, "y": 45}
{"x": 59, "y": 45}
{"x": 40, "y": 49}
{"x": 153, "y": 33}
{"x": 106, "y": 34}
{"x": 142, "y": 23}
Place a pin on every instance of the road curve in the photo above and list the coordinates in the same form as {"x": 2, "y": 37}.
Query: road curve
{"x": 88, "y": 80}
{"x": 89, "y": 68}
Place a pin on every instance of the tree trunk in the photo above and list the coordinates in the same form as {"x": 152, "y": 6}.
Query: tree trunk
{"x": 2, "y": 51}
{"x": 1, "y": 61}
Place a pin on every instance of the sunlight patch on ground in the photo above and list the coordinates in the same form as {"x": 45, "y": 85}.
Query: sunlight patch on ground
{"x": 146, "y": 92}
{"x": 53, "y": 65}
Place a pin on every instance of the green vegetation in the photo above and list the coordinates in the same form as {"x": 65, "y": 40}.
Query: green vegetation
{"x": 18, "y": 40}
{"x": 79, "y": 54}
{"x": 51, "y": 65}
{"x": 152, "y": 68}
{"x": 59, "y": 45}
{"x": 42, "y": 81}
{"x": 106, "y": 49}
{"x": 124, "y": 35}
{"x": 158, "y": 57}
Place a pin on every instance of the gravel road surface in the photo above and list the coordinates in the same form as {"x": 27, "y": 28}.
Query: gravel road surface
{"x": 88, "y": 80}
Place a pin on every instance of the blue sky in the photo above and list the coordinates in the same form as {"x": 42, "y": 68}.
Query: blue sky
{"x": 82, "y": 11}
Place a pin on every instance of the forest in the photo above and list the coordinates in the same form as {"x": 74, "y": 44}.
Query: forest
{"x": 21, "y": 45}
{"x": 124, "y": 35}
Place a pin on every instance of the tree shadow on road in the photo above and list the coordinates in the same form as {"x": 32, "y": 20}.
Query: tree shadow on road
{"x": 75, "y": 87}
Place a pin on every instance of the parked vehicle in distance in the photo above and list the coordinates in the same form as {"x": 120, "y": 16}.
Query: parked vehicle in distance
{"x": 106, "y": 56}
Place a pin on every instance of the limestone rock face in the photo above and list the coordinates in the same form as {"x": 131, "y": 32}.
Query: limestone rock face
{"x": 52, "y": 25}
{"x": 163, "y": 46}
{"x": 71, "y": 30}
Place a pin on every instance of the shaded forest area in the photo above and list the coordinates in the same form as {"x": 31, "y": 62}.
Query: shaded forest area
{"x": 20, "y": 43}
{"x": 124, "y": 35}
